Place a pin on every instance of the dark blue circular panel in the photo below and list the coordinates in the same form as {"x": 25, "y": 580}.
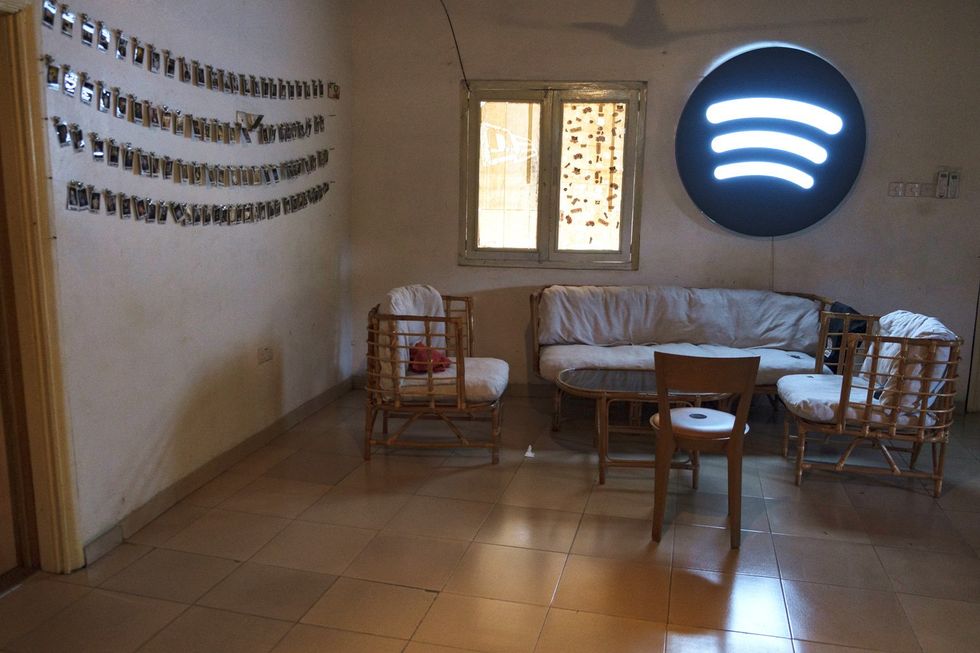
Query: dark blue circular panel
{"x": 770, "y": 141}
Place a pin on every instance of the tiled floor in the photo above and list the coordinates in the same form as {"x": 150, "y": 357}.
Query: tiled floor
{"x": 304, "y": 547}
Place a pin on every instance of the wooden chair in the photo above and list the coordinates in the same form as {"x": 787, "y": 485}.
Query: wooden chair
{"x": 894, "y": 393}
{"x": 419, "y": 367}
{"x": 699, "y": 429}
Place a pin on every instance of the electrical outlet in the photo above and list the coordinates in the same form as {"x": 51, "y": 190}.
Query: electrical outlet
{"x": 264, "y": 355}
{"x": 954, "y": 184}
{"x": 896, "y": 189}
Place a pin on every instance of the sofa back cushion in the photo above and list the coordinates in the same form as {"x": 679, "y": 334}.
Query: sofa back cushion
{"x": 643, "y": 315}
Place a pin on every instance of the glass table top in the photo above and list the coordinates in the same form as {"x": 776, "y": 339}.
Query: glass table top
{"x": 638, "y": 383}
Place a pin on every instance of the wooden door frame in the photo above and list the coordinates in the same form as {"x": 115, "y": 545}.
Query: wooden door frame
{"x": 973, "y": 375}
{"x": 28, "y": 253}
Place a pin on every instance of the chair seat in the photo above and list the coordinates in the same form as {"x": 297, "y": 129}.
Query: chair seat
{"x": 697, "y": 422}
{"x": 486, "y": 380}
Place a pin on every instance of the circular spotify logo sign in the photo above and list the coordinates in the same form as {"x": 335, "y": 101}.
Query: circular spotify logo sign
{"x": 770, "y": 141}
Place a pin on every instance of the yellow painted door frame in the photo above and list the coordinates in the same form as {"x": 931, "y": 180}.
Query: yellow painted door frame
{"x": 28, "y": 253}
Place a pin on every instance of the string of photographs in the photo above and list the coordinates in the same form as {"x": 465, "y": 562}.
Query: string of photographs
{"x": 144, "y": 163}
{"x": 82, "y": 197}
{"x": 111, "y": 100}
{"x": 150, "y": 58}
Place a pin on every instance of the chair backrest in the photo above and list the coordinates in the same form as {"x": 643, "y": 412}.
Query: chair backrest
{"x": 902, "y": 384}
{"x": 834, "y": 327}
{"x": 691, "y": 375}
{"x": 417, "y": 318}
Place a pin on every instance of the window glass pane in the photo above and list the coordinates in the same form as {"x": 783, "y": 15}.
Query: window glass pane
{"x": 508, "y": 195}
{"x": 590, "y": 196}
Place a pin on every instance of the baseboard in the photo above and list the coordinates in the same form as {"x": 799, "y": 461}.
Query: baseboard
{"x": 166, "y": 498}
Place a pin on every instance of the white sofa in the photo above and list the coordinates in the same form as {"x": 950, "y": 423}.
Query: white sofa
{"x": 621, "y": 326}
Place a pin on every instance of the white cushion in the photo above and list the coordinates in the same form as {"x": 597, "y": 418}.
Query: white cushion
{"x": 640, "y": 315}
{"x": 699, "y": 422}
{"x": 486, "y": 380}
{"x": 905, "y": 324}
{"x": 816, "y": 397}
{"x": 773, "y": 363}
{"x": 416, "y": 299}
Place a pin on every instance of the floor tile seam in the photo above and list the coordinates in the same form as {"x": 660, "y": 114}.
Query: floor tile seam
{"x": 239, "y": 560}
{"x": 159, "y": 598}
{"x": 531, "y": 604}
{"x": 908, "y": 618}
{"x": 720, "y": 571}
{"x": 602, "y": 614}
{"x": 57, "y": 613}
{"x": 561, "y": 575}
{"x": 355, "y": 631}
{"x": 924, "y": 550}
{"x": 782, "y": 593}
{"x": 199, "y": 604}
{"x": 162, "y": 628}
{"x": 343, "y": 630}
{"x": 194, "y": 521}
{"x": 63, "y": 578}
{"x": 263, "y": 475}
{"x": 670, "y": 578}
{"x": 822, "y": 643}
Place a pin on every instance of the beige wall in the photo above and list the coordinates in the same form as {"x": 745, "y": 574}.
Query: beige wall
{"x": 913, "y": 65}
{"x": 160, "y": 325}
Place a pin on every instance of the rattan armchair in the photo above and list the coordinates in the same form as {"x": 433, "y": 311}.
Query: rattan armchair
{"x": 894, "y": 392}
{"x": 419, "y": 367}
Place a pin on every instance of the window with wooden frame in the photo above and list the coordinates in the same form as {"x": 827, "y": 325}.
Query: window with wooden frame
{"x": 550, "y": 174}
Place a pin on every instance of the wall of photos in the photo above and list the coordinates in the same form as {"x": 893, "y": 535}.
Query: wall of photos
{"x": 194, "y": 118}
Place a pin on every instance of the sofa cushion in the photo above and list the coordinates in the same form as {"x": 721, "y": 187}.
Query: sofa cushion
{"x": 641, "y": 315}
{"x": 773, "y": 363}
{"x": 486, "y": 380}
{"x": 816, "y": 398}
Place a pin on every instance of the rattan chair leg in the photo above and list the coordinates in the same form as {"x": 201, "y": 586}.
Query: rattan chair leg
{"x": 800, "y": 449}
{"x": 369, "y": 417}
{"x": 916, "y": 450}
{"x": 556, "y": 412}
{"x": 786, "y": 436}
{"x": 939, "y": 461}
{"x": 495, "y": 434}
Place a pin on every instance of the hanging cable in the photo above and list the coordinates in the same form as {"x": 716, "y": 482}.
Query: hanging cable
{"x": 456, "y": 43}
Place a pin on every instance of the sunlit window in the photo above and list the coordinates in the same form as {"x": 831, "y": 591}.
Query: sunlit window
{"x": 550, "y": 174}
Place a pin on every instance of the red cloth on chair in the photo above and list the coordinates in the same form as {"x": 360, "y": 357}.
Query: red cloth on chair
{"x": 423, "y": 358}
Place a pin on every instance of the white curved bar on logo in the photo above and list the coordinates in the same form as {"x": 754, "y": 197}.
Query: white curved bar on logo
{"x": 764, "y": 169}
{"x": 770, "y": 141}
{"x": 779, "y": 108}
